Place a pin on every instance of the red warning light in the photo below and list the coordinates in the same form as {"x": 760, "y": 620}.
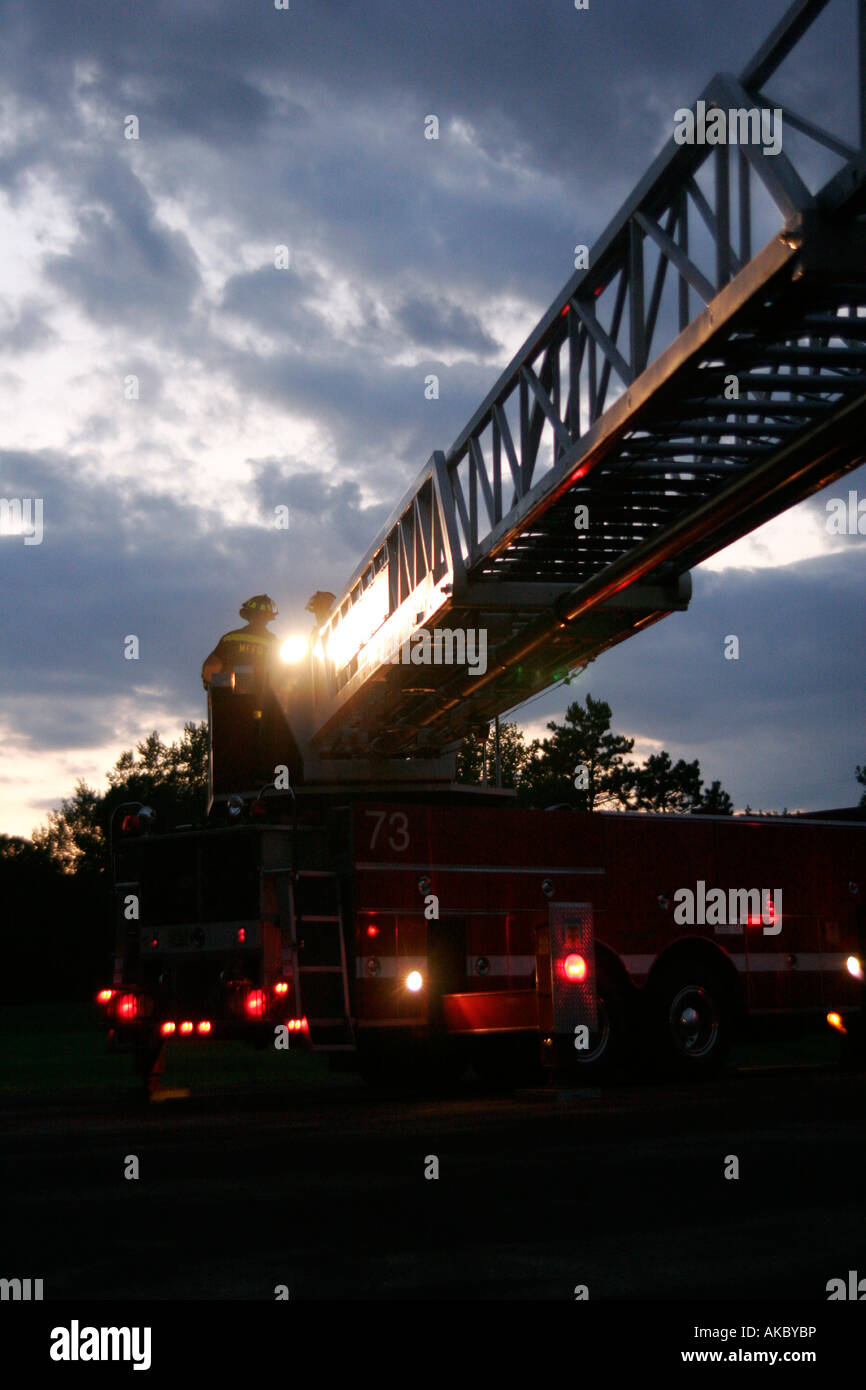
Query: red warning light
{"x": 281, "y": 987}
{"x": 105, "y": 995}
{"x": 766, "y": 917}
{"x": 372, "y": 930}
{"x": 186, "y": 1026}
{"x": 242, "y": 935}
{"x": 204, "y": 1026}
{"x": 574, "y": 967}
{"x": 128, "y": 1006}
{"x": 167, "y": 1028}
{"x": 255, "y": 1003}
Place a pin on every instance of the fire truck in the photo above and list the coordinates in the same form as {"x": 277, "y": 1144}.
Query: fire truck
{"x": 425, "y": 933}
{"x": 346, "y": 895}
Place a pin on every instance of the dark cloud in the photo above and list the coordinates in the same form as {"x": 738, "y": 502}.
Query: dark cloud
{"x": 335, "y": 511}
{"x": 279, "y": 301}
{"x": 28, "y": 331}
{"x": 377, "y": 415}
{"x": 125, "y": 265}
{"x": 439, "y": 325}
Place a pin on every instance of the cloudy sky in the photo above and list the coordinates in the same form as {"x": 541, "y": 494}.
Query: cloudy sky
{"x": 153, "y": 259}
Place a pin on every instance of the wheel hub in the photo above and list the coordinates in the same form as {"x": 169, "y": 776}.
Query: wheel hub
{"x": 694, "y": 1021}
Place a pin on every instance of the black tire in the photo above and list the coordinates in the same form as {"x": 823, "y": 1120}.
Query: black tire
{"x": 692, "y": 1016}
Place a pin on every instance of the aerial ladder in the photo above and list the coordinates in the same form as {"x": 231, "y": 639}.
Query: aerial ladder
{"x": 703, "y": 373}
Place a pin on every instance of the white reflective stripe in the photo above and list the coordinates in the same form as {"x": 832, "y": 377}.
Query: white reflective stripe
{"x": 825, "y": 962}
{"x": 638, "y": 965}
{"x": 760, "y": 962}
{"x": 562, "y": 869}
{"x": 501, "y": 965}
{"x": 390, "y": 966}
{"x": 764, "y": 962}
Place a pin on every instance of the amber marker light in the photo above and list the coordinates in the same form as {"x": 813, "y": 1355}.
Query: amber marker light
{"x": 835, "y": 1021}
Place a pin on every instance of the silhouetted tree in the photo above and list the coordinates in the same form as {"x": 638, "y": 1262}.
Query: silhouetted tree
{"x": 715, "y": 801}
{"x": 513, "y": 756}
{"x": 172, "y": 778}
{"x": 582, "y": 763}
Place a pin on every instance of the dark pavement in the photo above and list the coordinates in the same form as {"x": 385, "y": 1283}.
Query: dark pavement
{"x": 620, "y": 1189}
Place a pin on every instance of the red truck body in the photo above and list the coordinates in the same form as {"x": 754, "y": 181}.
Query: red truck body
{"x": 383, "y": 927}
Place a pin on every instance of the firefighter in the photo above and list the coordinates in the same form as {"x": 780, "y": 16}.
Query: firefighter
{"x": 242, "y": 657}
{"x": 320, "y": 605}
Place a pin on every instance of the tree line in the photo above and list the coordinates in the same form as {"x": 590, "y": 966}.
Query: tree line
{"x": 585, "y": 764}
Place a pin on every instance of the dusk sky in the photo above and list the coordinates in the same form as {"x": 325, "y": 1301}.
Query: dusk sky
{"x": 153, "y": 258}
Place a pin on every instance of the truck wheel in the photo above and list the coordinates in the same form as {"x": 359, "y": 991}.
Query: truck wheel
{"x": 693, "y": 1017}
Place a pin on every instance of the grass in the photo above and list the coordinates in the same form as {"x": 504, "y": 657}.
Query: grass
{"x": 62, "y": 1049}
{"x": 49, "y": 1050}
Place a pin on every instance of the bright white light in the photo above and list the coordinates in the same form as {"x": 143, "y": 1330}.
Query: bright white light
{"x": 854, "y": 967}
{"x": 358, "y": 624}
{"x": 414, "y": 981}
{"x": 294, "y": 649}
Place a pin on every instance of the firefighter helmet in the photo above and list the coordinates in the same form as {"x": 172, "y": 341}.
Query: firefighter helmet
{"x": 260, "y": 605}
